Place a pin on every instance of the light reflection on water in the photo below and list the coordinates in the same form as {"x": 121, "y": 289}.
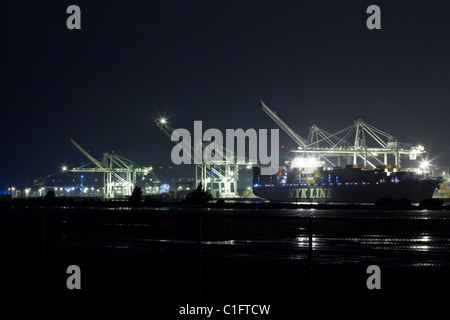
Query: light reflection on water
{"x": 363, "y": 237}
{"x": 422, "y": 250}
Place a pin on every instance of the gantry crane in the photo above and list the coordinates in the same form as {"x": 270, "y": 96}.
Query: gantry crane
{"x": 350, "y": 142}
{"x": 220, "y": 177}
{"x": 119, "y": 173}
{"x": 353, "y": 141}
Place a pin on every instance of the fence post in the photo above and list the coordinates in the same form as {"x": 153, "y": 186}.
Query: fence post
{"x": 200, "y": 258}
{"x": 310, "y": 252}
{"x": 114, "y": 256}
{"x": 43, "y": 256}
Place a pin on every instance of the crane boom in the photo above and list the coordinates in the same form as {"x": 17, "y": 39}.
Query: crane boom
{"x": 94, "y": 161}
{"x": 167, "y": 129}
{"x": 291, "y": 133}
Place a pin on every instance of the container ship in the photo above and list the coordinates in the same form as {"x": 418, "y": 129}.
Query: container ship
{"x": 351, "y": 184}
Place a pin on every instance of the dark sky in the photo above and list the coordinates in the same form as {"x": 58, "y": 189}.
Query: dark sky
{"x": 311, "y": 61}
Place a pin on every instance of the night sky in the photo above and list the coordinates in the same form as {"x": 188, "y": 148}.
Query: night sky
{"x": 310, "y": 61}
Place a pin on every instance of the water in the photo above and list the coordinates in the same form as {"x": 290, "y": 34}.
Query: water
{"x": 222, "y": 255}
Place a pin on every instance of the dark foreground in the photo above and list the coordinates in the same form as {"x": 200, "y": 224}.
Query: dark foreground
{"x": 167, "y": 258}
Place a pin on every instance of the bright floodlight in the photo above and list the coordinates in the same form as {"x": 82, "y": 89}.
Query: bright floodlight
{"x": 163, "y": 120}
{"x": 300, "y": 162}
{"x": 424, "y": 164}
{"x": 64, "y": 168}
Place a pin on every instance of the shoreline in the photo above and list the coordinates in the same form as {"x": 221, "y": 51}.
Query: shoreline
{"x": 237, "y": 203}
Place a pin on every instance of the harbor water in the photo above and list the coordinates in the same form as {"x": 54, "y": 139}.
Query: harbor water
{"x": 199, "y": 255}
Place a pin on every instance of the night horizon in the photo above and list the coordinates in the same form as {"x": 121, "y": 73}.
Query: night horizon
{"x": 104, "y": 85}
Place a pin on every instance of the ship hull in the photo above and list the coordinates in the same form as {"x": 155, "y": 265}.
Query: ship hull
{"x": 413, "y": 190}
